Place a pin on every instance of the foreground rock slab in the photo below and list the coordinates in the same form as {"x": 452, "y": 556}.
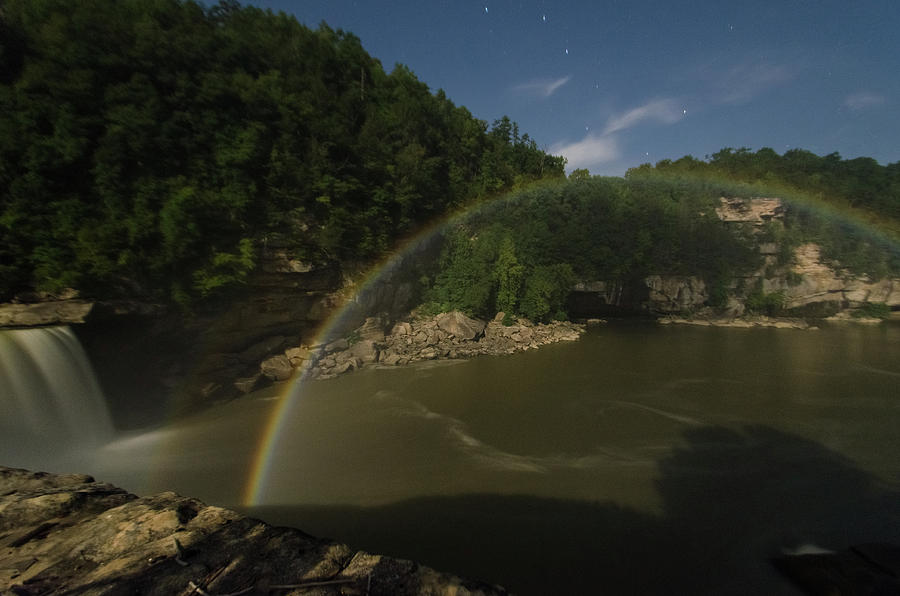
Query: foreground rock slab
{"x": 73, "y": 535}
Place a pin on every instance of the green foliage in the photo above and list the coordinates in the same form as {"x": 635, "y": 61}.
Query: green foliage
{"x": 759, "y": 302}
{"x": 873, "y": 310}
{"x": 509, "y": 274}
{"x": 522, "y": 254}
{"x": 546, "y": 290}
{"x": 147, "y": 146}
{"x": 851, "y": 208}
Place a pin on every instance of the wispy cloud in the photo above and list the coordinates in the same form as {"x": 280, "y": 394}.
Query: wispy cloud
{"x": 665, "y": 111}
{"x": 598, "y": 149}
{"x": 589, "y": 152}
{"x": 743, "y": 82}
{"x": 863, "y": 101}
{"x": 542, "y": 87}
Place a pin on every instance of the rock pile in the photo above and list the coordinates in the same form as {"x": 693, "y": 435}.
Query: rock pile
{"x": 447, "y": 335}
{"x": 72, "y": 535}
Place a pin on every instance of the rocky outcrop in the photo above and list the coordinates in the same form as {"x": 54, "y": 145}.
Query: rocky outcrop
{"x": 72, "y": 535}
{"x": 710, "y": 320}
{"x": 458, "y": 325}
{"x": 447, "y": 335}
{"x": 672, "y": 294}
{"x": 807, "y": 286}
{"x": 37, "y": 314}
{"x": 755, "y": 211}
{"x": 815, "y": 281}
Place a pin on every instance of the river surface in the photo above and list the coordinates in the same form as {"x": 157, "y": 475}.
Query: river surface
{"x": 643, "y": 459}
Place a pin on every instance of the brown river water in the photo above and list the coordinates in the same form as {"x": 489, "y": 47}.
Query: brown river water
{"x": 642, "y": 459}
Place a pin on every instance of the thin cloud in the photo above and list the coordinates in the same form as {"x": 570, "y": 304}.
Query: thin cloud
{"x": 590, "y": 151}
{"x": 542, "y": 87}
{"x": 665, "y": 111}
{"x": 743, "y": 82}
{"x": 863, "y": 101}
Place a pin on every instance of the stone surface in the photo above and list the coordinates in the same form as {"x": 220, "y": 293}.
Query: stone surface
{"x": 277, "y": 368}
{"x": 459, "y": 325}
{"x": 365, "y": 350}
{"x": 675, "y": 293}
{"x": 756, "y": 211}
{"x": 72, "y": 535}
{"x": 263, "y": 348}
{"x": 424, "y": 338}
{"x": 861, "y": 569}
{"x": 56, "y": 312}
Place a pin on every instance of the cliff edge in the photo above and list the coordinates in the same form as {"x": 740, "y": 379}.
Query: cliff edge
{"x": 70, "y": 534}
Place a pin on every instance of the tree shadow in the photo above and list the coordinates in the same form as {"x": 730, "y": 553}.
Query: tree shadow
{"x": 731, "y": 500}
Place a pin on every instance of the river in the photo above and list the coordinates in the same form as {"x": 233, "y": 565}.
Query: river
{"x": 643, "y": 459}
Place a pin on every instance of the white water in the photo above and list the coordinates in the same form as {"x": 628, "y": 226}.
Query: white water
{"x": 50, "y": 400}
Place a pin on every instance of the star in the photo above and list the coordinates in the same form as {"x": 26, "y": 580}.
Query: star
{"x": 485, "y": 10}
{"x": 567, "y": 51}
{"x": 544, "y": 18}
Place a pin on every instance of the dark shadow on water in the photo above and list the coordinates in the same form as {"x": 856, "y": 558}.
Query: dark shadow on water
{"x": 730, "y": 500}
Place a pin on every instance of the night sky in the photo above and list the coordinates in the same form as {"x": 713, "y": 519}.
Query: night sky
{"x": 612, "y": 84}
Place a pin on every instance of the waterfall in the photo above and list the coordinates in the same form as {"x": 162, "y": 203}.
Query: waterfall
{"x": 49, "y": 397}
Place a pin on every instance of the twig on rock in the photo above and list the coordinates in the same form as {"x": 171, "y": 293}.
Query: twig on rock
{"x": 315, "y": 584}
{"x": 203, "y": 592}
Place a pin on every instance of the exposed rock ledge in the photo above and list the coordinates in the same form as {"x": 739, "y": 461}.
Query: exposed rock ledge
{"x": 72, "y": 535}
{"x": 54, "y": 312}
{"x": 447, "y": 335}
{"x": 742, "y": 322}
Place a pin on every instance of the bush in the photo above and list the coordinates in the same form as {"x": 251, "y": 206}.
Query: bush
{"x": 873, "y": 310}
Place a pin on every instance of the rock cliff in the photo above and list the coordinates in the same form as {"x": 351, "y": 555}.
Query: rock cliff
{"x": 72, "y": 535}
{"x": 806, "y": 281}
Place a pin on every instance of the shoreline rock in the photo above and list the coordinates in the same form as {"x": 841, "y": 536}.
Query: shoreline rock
{"x": 739, "y": 322}
{"x": 71, "y": 534}
{"x": 450, "y": 335}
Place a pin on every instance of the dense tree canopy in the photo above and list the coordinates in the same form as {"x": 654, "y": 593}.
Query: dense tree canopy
{"x": 523, "y": 253}
{"x": 151, "y": 146}
{"x": 851, "y": 208}
{"x": 860, "y": 183}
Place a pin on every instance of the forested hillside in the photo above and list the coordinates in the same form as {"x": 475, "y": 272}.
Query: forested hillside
{"x": 861, "y": 185}
{"x": 523, "y": 254}
{"x": 151, "y": 147}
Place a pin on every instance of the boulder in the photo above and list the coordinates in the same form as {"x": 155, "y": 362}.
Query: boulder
{"x": 277, "y": 368}
{"x": 297, "y": 355}
{"x": 372, "y": 328}
{"x": 459, "y": 325}
{"x": 365, "y": 350}
{"x": 337, "y": 345}
{"x": 247, "y": 384}
{"x": 390, "y": 358}
{"x": 402, "y": 328}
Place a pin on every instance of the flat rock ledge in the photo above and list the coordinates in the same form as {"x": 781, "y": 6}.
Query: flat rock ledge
{"x": 742, "y": 322}
{"x": 68, "y": 534}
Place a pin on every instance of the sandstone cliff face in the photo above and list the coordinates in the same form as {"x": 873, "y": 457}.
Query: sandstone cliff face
{"x": 819, "y": 282}
{"x": 72, "y": 535}
{"x": 808, "y": 280}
